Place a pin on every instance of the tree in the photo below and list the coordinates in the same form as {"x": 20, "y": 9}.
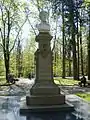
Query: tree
{"x": 89, "y": 43}
{"x": 28, "y": 59}
{"x": 63, "y": 36}
{"x": 9, "y": 24}
{"x": 19, "y": 58}
{"x": 81, "y": 50}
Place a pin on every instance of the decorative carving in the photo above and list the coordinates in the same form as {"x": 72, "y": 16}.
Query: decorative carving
{"x": 45, "y": 50}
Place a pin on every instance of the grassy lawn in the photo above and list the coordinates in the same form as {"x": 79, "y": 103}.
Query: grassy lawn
{"x": 60, "y": 81}
{"x": 68, "y": 81}
{"x": 85, "y": 96}
{"x": 2, "y": 80}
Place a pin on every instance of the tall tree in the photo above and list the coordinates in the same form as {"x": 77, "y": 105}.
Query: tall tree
{"x": 63, "y": 37}
{"x": 89, "y": 42}
{"x": 9, "y": 24}
{"x": 81, "y": 49}
{"x": 72, "y": 23}
{"x": 19, "y": 58}
{"x": 77, "y": 26}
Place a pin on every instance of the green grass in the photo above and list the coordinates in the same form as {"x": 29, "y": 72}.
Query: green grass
{"x": 61, "y": 81}
{"x": 85, "y": 96}
{"x": 2, "y": 80}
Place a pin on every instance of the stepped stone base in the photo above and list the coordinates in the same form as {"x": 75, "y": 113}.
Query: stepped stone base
{"x": 25, "y": 110}
{"x": 45, "y": 100}
{"x": 45, "y": 89}
{"x": 45, "y": 93}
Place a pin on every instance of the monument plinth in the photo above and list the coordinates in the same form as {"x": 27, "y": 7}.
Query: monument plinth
{"x": 44, "y": 93}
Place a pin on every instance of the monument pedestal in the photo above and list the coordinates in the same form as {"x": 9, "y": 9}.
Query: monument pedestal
{"x": 45, "y": 100}
{"x": 44, "y": 91}
{"x": 44, "y": 94}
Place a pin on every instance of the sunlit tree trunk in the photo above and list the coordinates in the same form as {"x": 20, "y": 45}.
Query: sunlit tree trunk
{"x": 5, "y": 41}
{"x": 73, "y": 40}
{"x": 19, "y": 59}
{"x": 69, "y": 56}
{"x": 81, "y": 50}
{"x": 77, "y": 46}
{"x": 89, "y": 44}
{"x": 63, "y": 36}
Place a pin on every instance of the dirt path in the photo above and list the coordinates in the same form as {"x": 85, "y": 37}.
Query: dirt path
{"x": 22, "y": 87}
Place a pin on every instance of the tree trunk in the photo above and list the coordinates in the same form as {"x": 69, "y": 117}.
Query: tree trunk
{"x": 89, "y": 45}
{"x": 19, "y": 60}
{"x": 73, "y": 40}
{"x": 63, "y": 36}
{"x": 74, "y": 59}
{"x": 6, "y": 50}
{"x": 7, "y": 58}
{"x": 77, "y": 47}
{"x": 6, "y": 61}
{"x": 81, "y": 50}
{"x": 55, "y": 58}
{"x": 69, "y": 56}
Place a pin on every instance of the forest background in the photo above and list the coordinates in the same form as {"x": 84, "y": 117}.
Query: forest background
{"x": 70, "y": 27}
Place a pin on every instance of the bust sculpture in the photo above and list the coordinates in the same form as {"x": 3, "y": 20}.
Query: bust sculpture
{"x": 43, "y": 16}
{"x": 43, "y": 26}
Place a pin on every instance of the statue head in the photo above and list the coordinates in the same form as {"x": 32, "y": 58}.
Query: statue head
{"x": 43, "y": 15}
{"x": 43, "y": 26}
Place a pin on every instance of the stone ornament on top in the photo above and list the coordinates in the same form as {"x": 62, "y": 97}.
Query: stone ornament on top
{"x": 43, "y": 26}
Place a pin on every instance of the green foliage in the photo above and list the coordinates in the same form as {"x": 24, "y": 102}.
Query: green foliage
{"x": 13, "y": 63}
{"x": 2, "y": 70}
{"x": 57, "y": 67}
{"x": 2, "y": 80}
{"x": 85, "y": 96}
{"x": 67, "y": 81}
{"x": 87, "y": 2}
{"x": 28, "y": 57}
{"x": 28, "y": 63}
{"x": 17, "y": 15}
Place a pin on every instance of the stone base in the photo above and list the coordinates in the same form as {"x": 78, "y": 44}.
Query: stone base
{"x": 45, "y": 89}
{"x": 45, "y": 100}
{"x": 25, "y": 110}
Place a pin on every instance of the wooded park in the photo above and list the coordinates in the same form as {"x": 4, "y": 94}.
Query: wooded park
{"x": 70, "y": 27}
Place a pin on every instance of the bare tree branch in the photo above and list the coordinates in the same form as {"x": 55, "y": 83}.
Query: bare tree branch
{"x": 1, "y": 34}
{"x": 55, "y": 34}
{"x": 18, "y": 34}
{"x": 1, "y": 45}
{"x": 31, "y": 26}
{"x": 53, "y": 45}
{"x": 37, "y": 5}
{"x": 2, "y": 14}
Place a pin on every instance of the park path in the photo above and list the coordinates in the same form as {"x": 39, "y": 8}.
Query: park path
{"x": 22, "y": 87}
{"x": 11, "y": 96}
{"x": 26, "y": 84}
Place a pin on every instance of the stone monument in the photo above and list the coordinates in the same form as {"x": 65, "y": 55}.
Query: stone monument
{"x": 44, "y": 93}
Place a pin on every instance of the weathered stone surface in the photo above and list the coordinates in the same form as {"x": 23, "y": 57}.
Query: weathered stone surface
{"x": 45, "y": 100}
{"x": 45, "y": 89}
{"x": 43, "y": 37}
{"x": 52, "y": 108}
{"x": 44, "y": 67}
